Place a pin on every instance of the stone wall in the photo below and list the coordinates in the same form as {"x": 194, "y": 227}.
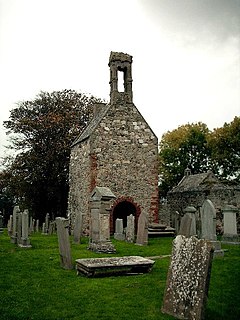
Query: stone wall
{"x": 121, "y": 154}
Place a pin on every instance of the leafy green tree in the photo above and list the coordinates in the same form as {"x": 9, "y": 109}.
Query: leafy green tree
{"x": 43, "y": 130}
{"x": 183, "y": 147}
{"x": 225, "y": 150}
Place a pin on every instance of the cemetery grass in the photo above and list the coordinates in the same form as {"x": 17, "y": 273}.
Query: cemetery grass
{"x": 34, "y": 286}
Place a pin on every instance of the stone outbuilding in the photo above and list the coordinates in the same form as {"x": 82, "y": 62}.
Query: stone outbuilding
{"x": 117, "y": 150}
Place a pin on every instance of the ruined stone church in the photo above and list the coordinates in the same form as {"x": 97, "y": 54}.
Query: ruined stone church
{"x": 117, "y": 150}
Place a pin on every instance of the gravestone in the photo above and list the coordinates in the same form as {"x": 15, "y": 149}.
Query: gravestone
{"x": 16, "y": 211}
{"x": 44, "y": 228}
{"x": 100, "y": 201}
{"x": 10, "y": 225}
{"x": 19, "y": 227}
{"x": 188, "y": 278}
{"x": 118, "y": 234}
{"x": 208, "y": 226}
{"x": 52, "y": 227}
{"x": 25, "y": 241}
{"x": 230, "y": 224}
{"x": 1, "y": 223}
{"x": 31, "y": 225}
{"x": 185, "y": 226}
{"x": 77, "y": 228}
{"x": 142, "y": 230}
{"x": 191, "y": 212}
{"x": 130, "y": 229}
{"x": 47, "y": 223}
{"x": 208, "y": 220}
{"x": 63, "y": 242}
{"x": 37, "y": 225}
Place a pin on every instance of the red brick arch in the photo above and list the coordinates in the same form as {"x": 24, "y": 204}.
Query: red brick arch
{"x": 119, "y": 201}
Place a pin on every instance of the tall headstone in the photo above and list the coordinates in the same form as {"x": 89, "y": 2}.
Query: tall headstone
{"x": 118, "y": 234}
{"x": 130, "y": 230}
{"x": 64, "y": 243}
{"x": 19, "y": 227}
{"x": 77, "y": 230}
{"x": 25, "y": 241}
{"x": 16, "y": 212}
{"x": 188, "y": 278}
{"x": 208, "y": 220}
{"x": 10, "y": 225}
{"x": 31, "y": 225}
{"x": 37, "y": 225}
{"x": 100, "y": 200}
{"x": 142, "y": 230}
{"x": 47, "y": 223}
{"x": 191, "y": 212}
{"x": 230, "y": 223}
{"x": 44, "y": 228}
{"x": 185, "y": 226}
{"x": 208, "y": 226}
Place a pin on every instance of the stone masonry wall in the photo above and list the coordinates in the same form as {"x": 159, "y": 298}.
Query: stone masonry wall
{"x": 79, "y": 172}
{"x": 126, "y": 152}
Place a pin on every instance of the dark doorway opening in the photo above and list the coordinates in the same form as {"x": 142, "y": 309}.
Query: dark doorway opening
{"x": 122, "y": 210}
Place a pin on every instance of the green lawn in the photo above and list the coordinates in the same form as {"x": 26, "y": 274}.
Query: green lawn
{"x": 34, "y": 286}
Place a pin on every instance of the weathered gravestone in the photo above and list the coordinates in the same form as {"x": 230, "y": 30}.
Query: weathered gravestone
{"x": 10, "y": 225}
{"x": 185, "y": 226}
{"x": 47, "y": 223}
{"x": 16, "y": 212}
{"x": 63, "y": 242}
{"x": 101, "y": 198}
{"x": 188, "y": 278}
{"x": 208, "y": 226}
{"x": 37, "y": 225}
{"x": 130, "y": 230}
{"x": 118, "y": 234}
{"x": 142, "y": 231}
{"x": 19, "y": 227}
{"x": 77, "y": 230}
{"x": 230, "y": 224}
{"x": 25, "y": 242}
{"x": 191, "y": 212}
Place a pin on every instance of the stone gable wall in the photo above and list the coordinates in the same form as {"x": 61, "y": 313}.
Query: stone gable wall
{"x": 121, "y": 154}
{"x": 127, "y": 157}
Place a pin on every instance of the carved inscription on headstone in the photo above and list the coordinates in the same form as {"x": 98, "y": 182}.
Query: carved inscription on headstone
{"x": 188, "y": 278}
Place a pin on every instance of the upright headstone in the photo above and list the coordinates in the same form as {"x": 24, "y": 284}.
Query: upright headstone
{"x": 191, "y": 212}
{"x": 19, "y": 227}
{"x": 142, "y": 230}
{"x": 47, "y": 223}
{"x": 208, "y": 226}
{"x": 230, "y": 224}
{"x": 100, "y": 200}
{"x": 64, "y": 243}
{"x": 31, "y": 225}
{"x": 16, "y": 212}
{"x": 188, "y": 278}
{"x": 44, "y": 228}
{"x": 1, "y": 223}
{"x": 37, "y": 225}
{"x": 25, "y": 241}
{"x": 77, "y": 230}
{"x": 52, "y": 227}
{"x": 208, "y": 220}
{"x": 130, "y": 230}
{"x": 185, "y": 226}
{"x": 10, "y": 225}
{"x": 118, "y": 234}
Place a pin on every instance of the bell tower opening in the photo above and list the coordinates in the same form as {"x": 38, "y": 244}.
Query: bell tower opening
{"x": 120, "y": 66}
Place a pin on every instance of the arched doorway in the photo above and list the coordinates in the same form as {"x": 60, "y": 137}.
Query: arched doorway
{"x": 122, "y": 208}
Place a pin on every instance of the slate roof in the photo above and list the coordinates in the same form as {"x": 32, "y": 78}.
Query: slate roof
{"x": 200, "y": 181}
{"x": 85, "y": 134}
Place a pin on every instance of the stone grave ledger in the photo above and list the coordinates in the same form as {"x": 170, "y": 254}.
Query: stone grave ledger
{"x": 114, "y": 266}
{"x": 188, "y": 278}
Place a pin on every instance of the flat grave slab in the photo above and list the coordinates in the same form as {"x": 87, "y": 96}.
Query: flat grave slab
{"x": 114, "y": 266}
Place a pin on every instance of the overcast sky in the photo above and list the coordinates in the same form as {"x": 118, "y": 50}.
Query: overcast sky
{"x": 186, "y": 55}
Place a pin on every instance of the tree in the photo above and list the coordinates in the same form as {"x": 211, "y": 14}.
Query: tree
{"x": 183, "y": 147}
{"x": 225, "y": 150}
{"x": 44, "y": 129}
